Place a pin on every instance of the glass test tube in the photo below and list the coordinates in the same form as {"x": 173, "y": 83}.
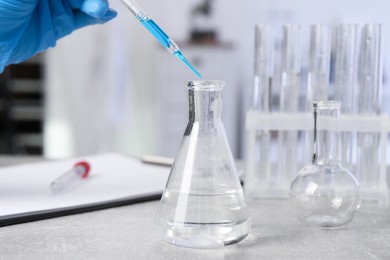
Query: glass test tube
{"x": 318, "y": 75}
{"x": 262, "y": 80}
{"x": 289, "y": 96}
{"x": 319, "y": 64}
{"x": 344, "y": 85}
{"x": 370, "y": 82}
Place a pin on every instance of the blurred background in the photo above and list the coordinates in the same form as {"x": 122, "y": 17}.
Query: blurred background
{"x": 113, "y": 88}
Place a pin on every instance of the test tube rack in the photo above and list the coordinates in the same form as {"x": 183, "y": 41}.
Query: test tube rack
{"x": 269, "y": 187}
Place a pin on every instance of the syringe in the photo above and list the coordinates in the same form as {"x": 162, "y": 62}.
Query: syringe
{"x": 157, "y": 32}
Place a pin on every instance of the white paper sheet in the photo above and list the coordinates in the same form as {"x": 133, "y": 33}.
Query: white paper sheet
{"x": 26, "y": 188}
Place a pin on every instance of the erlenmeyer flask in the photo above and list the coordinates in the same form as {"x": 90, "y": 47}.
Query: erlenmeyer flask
{"x": 203, "y": 203}
{"x": 324, "y": 194}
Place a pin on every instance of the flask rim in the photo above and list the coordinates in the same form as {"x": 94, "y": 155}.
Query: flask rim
{"x": 207, "y": 85}
{"x": 328, "y": 104}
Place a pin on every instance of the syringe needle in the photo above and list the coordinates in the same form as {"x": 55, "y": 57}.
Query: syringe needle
{"x": 186, "y": 62}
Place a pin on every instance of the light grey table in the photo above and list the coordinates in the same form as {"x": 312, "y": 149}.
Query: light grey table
{"x": 129, "y": 232}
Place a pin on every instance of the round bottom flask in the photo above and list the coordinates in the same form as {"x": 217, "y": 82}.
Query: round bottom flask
{"x": 324, "y": 194}
{"x": 203, "y": 204}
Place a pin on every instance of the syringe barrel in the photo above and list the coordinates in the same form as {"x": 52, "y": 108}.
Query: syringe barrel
{"x": 161, "y": 36}
{"x": 157, "y": 32}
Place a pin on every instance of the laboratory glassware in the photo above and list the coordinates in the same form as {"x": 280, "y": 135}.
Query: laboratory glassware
{"x": 263, "y": 67}
{"x": 289, "y": 97}
{"x": 370, "y": 83}
{"x": 203, "y": 204}
{"x": 158, "y": 33}
{"x": 318, "y": 74}
{"x": 71, "y": 178}
{"x": 345, "y": 84}
{"x": 262, "y": 81}
{"x": 319, "y": 64}
{"x": 324, "y": 194}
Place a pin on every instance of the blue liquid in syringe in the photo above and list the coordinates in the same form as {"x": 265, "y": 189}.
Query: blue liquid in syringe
{"x": 163, "y": 38}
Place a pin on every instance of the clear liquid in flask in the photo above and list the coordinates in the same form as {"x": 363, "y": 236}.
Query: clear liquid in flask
{"x": 200, "y": 228}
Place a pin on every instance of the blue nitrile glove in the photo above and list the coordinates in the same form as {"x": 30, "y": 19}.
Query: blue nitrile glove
{"x": 30, "y": 26}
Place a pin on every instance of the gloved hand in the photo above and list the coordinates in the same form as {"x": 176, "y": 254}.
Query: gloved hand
{"x": 30, "y": 26}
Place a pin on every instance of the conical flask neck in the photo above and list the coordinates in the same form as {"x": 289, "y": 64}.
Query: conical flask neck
{"x": 205, "y": 106}
{"x": 326, "y": 135}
